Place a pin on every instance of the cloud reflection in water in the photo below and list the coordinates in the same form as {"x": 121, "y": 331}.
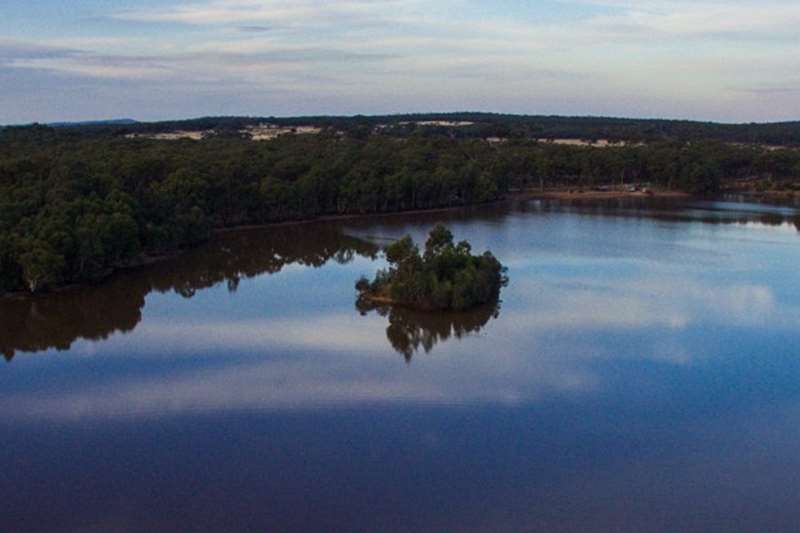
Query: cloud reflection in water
{"x": 561, "y": 327}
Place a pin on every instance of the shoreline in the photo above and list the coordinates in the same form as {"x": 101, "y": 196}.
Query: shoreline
{"x": 146, "y": 260}
{"x": 775, "y": 196}
{"x": 350, "y": 216}
{"x": 135, "y": 264}
{"x": 378, "y": 300}
{"x": 529, "y": 194}
{"x": 374, "y": 302}
{"x": 572, "y": 194}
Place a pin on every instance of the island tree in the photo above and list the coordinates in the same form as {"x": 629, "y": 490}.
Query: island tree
{"x": 446, "y": 276}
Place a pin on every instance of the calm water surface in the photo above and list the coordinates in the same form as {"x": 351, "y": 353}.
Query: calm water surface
{"x": 640, "y": 374}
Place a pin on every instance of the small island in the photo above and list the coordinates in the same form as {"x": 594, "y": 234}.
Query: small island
{"x": 446, "y": 276}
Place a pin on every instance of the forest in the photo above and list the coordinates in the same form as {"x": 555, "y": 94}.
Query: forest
{"x": 78, "y": 202}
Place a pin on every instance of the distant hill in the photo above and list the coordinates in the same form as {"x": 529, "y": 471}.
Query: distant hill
{"x": 470, "y": 125}
{"x": 485, "y": 125}
{"x": 111, "y": 122}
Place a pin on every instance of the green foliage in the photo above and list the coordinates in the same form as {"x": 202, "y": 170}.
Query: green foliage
{"x": 10, "y": 269}
{"x": 41, "y": 265}
{"x": 402, "y": 251}
{"x": 79, "y": 202}
{"x": 446, "y": 276}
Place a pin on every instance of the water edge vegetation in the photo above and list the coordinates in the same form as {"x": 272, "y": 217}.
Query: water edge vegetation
{"x": 446, "y": 277}
{"x": 78, "y": 203}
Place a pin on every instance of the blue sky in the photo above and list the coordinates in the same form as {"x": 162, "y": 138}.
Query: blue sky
{"x": 700, "y": 59}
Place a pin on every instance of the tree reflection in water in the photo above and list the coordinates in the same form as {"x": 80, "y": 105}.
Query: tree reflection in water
{"x": 32, "y": 324}
{"x": 674, "y": 210}
{"x": 410, "y": 331}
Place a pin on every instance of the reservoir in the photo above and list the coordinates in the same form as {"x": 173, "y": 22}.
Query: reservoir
{"x": 641, "y": 373}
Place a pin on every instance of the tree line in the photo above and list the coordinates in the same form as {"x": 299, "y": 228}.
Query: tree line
{"x": 76, "y": 205}
{"x": 484, "y": 125}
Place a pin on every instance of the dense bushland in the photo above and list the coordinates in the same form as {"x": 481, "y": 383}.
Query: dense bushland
{"x": 77, "y": 203}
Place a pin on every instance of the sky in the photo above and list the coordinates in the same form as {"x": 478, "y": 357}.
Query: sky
{"x": 730, "y": 61}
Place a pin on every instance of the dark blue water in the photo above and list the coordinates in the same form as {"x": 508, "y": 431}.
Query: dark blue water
{"x": 642, "y": 373}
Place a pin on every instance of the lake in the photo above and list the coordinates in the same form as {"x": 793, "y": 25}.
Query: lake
{"x": 640, "y": 374}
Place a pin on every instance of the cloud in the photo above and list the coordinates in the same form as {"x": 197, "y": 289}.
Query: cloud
{"x": 624, "y": 19}
{"x": 12, "y": 51}
{"x": 673, "y": 58}
{"x": 701, "y": 17}
{"x": 343, "y": 360}
{"x": 758, "y": 91}
{"x": 306, "y": 384}
{"x": 342, "y": 333}
{"x": 286, "y": 12}
{"x": 254, "y": 29}
{"x": 223, "y": 66}
{"x": 635, "y": 304}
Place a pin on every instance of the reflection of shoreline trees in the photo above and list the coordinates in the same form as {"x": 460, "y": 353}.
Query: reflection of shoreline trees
{"x": 410, "y": 331}
{"x": 56, "y": 320}
{"x": 665, "y": 209}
